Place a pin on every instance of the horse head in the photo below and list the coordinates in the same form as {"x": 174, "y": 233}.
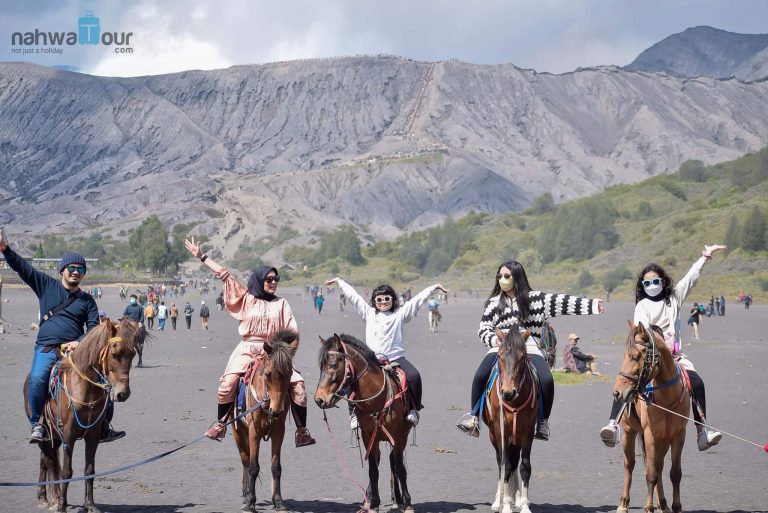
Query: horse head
{"x": 116, "y": 356}
{"x": 640, "y": 364}
{"x": 277, "y": 368}
{"x": 512, "y": 358}
{"x": 333, "y": 371}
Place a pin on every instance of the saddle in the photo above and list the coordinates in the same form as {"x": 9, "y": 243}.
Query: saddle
{"x": 394, "y": 370}
{"x": 245, "y": 379}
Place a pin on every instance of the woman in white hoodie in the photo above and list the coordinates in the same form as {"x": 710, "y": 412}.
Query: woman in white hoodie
{"x": 384, "y": 319}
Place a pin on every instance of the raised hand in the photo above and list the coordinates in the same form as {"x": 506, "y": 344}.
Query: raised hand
{"x": 193, "y": 247}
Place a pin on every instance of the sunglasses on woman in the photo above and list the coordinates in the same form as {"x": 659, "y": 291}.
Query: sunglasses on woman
{"x": 272, "y": 279}
{"x": 655, "y": 281}
{"x": 380, "y": 300}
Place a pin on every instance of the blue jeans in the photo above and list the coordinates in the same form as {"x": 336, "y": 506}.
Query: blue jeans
{"x": 37, "y": 390}
{"x": 161, "y": 324}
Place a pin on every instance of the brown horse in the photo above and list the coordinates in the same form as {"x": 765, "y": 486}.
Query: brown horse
{"x": 347, "y": 366}
{"x": 513, "y": 400}
{"x": 649, "y": 371}
{"x": 268, "y": 386}
{"x": 98, "y": 368}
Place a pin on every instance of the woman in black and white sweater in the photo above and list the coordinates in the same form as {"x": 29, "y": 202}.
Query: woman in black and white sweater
{"x": 512, "y": 302}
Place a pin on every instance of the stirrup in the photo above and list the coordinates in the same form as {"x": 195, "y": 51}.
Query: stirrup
{"x": 465, "y": 420}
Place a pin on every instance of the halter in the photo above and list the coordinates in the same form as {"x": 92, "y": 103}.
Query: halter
{"x": 530, "y": 401}
{"x": 349, "y": 373}
{"x": 103, "y": 384}
{"x": 651, "y": 361}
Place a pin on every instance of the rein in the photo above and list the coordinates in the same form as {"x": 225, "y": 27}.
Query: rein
{"x": 530, "y": 401}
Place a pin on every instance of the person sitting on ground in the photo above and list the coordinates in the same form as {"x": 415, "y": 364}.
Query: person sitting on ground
{"x": 575, "y": 360}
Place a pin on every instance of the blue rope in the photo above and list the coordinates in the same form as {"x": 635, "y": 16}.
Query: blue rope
{"x": 132, "y": 465}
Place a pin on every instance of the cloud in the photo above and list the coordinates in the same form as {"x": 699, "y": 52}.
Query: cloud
{"x": 546, "y": 35}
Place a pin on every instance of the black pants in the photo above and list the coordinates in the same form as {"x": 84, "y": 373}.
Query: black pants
{"x": 188, "y": 318}
{"x": 173, "y": 323}
{"x": 413, "y": 378}
{"x": 699, "y": 395}
{"x": 483, "y": 373}
{"x": 150, "y": 322}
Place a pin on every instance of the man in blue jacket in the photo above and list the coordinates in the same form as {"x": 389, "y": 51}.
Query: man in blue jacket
{"x": 64, "y": 310}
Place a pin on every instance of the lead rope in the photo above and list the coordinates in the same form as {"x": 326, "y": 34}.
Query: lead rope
{"x": 343, "y": 462}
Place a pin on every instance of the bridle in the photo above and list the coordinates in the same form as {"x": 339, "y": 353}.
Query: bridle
{"x": 651, "y": 360}
{"x": 345, "y": 388}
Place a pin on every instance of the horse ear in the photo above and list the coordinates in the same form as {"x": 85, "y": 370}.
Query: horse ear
{"x": 268, "y": 348}
{"x": 526, "y": 334}
{"x": 499, "y": 334}
{"x": 322, "y": 342}
{"x": 631, "y": 324}
{"x": 293, "y": 346}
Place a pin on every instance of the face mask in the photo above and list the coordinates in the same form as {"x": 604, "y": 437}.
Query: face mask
{"x": 506, "y": 284}
{"x": 653, "y": 290}
{"x": 133, "y": 301}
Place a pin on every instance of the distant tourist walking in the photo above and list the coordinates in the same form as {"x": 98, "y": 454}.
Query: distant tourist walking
{"x": 205, "y": 313}
{"x": 133, "y": 310}
{"x": 149, "y": 315}
{"x": 162, "y": 315}
{"x": 188, "y": 309}
{"x": 174, "y": 311}
{"x": 319, "y": 302}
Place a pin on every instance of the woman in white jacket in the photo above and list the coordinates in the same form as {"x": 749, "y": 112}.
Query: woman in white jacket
{"x": 384, "y": 320}
{"x": 658, "y": 303}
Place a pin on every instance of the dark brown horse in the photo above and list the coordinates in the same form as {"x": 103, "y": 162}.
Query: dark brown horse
{"x": 347, "y": 366}
{"x": 269, "y": 386}
{"x": 510, "y": 414}
{"x": 649, "y": 371}
{"x": 97, "y": 369}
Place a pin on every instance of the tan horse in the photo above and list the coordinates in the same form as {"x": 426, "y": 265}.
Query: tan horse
{"x": 648, "y": 371}
{"x": 347, "y": 365}
{"x": 99, "y": 367}
{"x": 269, "y": 386}
{"x": 510, "y": 414}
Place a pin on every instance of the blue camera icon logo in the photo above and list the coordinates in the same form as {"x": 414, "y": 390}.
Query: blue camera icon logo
{"x": 88, "y": 29}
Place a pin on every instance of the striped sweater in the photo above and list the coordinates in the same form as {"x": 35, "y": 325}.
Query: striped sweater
{"x": 503, "y": 313}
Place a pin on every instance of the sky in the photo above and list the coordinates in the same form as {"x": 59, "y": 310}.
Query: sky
{"x": 175, "y": 35}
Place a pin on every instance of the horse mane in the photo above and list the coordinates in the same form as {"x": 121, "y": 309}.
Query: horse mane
{"x": 356, "y": 344}
{"x": 662, "y": 347}
{"x": 282, "y": 357}
{"x": 90, "y": 346}
{"x": 515, "y": 339}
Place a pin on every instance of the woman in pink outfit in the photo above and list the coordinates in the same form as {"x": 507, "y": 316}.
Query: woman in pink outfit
{"x": 261, "y": 314}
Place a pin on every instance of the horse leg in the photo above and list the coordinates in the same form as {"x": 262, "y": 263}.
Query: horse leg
{"x": 500, "y": 485}
{"x": 511, "y": 458}
{"x": 522, "y": 501}
{"x": 652, "y": 476}
{"x": 91, "y": 444}
{"x": 240, "y": 434}
{"x": 394, "y": 482}
{"x": 661, "y": 452}
{"x": 630, "y": 437}
{"x": 401, "y": 476}
{"x": 278, "y": 433}
{"x": 66, "y": 472}
{"x": 373, "y": 477}
{"x": 249, "y": 503}
{"x": 676, "y": 473}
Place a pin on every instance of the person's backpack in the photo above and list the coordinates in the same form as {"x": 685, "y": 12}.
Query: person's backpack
{"x": 204, "y": 312}
{"x": 548, "y": 343}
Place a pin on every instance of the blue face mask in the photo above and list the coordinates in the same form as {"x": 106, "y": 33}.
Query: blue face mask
{"x": 133, "y": 301}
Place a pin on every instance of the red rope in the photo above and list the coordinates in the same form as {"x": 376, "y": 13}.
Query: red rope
{"x": 343, "y": 461}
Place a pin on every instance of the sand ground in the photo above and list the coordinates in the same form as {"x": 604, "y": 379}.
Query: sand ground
{"x": 173, "y": 401}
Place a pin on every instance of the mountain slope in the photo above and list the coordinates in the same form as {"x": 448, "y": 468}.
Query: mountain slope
{"x": 384, "y": 143}
{"x": 707, "y": 51}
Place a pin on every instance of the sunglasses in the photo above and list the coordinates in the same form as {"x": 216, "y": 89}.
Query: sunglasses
{"x": 506, "y": 276}
{"x": 272, "y": 279}
{"x": 75, "y": 268}
{"x": 655, "y": 281}
{"x": 380, "y": 300}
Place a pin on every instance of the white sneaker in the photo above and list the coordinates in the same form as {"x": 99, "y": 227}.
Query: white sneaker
{"x": 413, "y": 417}
{"x": 707, "y": 438}
{"x": 610, "y": 434}
{"x": 469, "y": 424}
{"x": 353, "y": 423}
